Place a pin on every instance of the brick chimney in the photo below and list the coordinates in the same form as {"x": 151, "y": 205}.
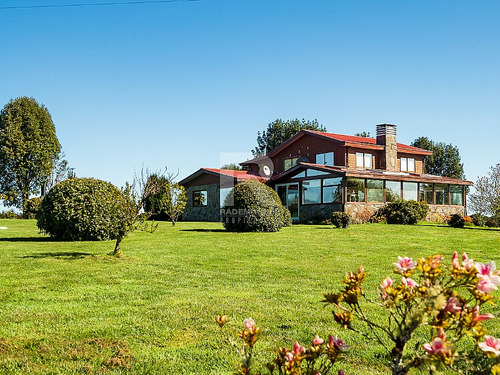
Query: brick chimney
{"x": 386, "y": 136}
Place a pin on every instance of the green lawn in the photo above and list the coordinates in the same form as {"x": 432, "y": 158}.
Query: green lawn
{"x": 66, "y": 307}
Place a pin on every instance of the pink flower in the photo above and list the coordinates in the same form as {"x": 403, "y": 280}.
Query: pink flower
{"x": 485, "y": 269}
{"x": 466, "y": 262}
{"x": 408, "y": 282}
{"x": 479, "y": 318}
{"x": 490, "y": 345}
{"x": 454, "y": 260}
{"x": 386, "y": 283}
{"x": 453, "y": 306}
{"x": 289, "y": 357}
{"x": 337, "y": 343}
{"x": 298, "y": 349}
{"x": 317, "y": 341}
{"x": 435, "y": 347}
{"x": 341, "y": 372}
{"x": 405, "y": 264}
{"x": 249, "y": 324}
{"x": 487, "y": 284}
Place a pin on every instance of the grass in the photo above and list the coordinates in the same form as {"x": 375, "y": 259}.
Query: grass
{"x": 66, "y": 307}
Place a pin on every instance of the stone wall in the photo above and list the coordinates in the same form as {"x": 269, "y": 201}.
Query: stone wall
{"x": 361, "y": 212}
{"x": 318, "y": 212}
{"x": 437, "y": 213}
{"x": 210, "y": 212}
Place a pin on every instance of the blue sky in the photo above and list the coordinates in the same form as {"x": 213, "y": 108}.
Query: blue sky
{"x": 177, "y": 84}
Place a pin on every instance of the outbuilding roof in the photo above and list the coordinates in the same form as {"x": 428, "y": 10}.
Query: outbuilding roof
{"x": 238, "y": 175}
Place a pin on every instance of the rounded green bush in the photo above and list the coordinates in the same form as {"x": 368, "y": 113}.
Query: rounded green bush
{"x": 456, "y": 221}
{"x": 402, "y": 212}
{"x": 82, "y": 209}
{"x": 255, "y": 208}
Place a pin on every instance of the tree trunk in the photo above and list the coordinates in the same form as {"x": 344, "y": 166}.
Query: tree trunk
{"x": 117, "y": 252}
{"x": 173, "y": 222}
{"x": 397, "y": 360}
{"x": 25, "y": 198}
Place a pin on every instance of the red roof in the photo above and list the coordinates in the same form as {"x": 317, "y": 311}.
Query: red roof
{"x": 240, "y": 175}
{"x": 365, "y": 140}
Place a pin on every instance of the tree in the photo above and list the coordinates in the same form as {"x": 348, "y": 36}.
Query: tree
{"x": 279, "y": 131}
{"x": 169, "y": 199}
{"x": 232, "y": 167}
{"x": 486, "y": 197}
{"x": 445, "y": 159}
{"x": 29, "y": 150}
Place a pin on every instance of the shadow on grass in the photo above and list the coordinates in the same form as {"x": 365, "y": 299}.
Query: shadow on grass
{"x": 205, "y": 230}
{"x": 62, "y": 255}
{"x": 469, "y": 228}
{"x": 28, "y": 239}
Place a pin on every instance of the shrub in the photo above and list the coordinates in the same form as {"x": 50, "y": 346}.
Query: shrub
{"x": 341, "y": 219}
{"x": 32, "y": 206}
{"x": 403, "y": 212}
{"x": 493, "y": 222}
{"x": 456, "y": 221}
{"x": 9, "y": 215}
{"x": 255, "y": 208}
{"x": 82, "y": 209}
{"x": 479, "y": 220}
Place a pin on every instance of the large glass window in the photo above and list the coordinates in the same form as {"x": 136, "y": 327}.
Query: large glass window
{"x": 223, "y": 193}
{"x": 457, "y": 195}
{"x": 410, "y": 192}
{"x": 363, "y": 160}
{"x": 355, "y": 190}
{"x": 200, "y": 198}
{"x": 325, "y": 159}
{"x": 290, "y": 163}
{"x": 392, "y": 191}
{"x": 332, "y": 190}
{"x": 311, "y": 191}
{"x": 427, "y": 193}
{"x": 375, "y": 190}
{"x": 441, "y": 194}
{"x": 314, "y": 173}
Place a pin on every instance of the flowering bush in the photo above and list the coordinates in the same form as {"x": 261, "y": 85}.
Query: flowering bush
{"x": 443, "y": 301}
{"x": 318, "y": 358}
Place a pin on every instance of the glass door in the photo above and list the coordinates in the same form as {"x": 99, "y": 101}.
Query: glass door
{"x": 289, "y": 195}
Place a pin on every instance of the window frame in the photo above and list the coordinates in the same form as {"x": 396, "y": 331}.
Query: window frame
{"x": 203, "y": 204}
{"x": 364, "y": 156}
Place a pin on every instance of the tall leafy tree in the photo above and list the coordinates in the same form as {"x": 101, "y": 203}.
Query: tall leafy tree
{"x": 485, "y": 199}
{"x": 445, "y": 160}
{"x": 280, "y": 131}
{"x": 29, "y": 150}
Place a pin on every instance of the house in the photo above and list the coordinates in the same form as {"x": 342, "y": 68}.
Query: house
{"x": 316, "y": 173}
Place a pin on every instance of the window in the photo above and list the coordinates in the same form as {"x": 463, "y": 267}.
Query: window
{"x": 300, "y": 175}
{"x": 441, "y": 194}
{"x": 410, "y": 192}
{"x": 200, "y": 198}
{"x": 223, "y": 193}
{"x": 311, "y": 191}
{"x": 332, "y": 190}
{"x": 290, "y": 163}
{"x": 355, "y": 190}
{"x": 325, "y": 159}
{"x": 314, "y": 173}
{"x": 426, "y": 193}
{"x": 392, "y": 191}
{"x": 408, "y": 164}
{"x": 457, "y": 195}
{"x": 375, "y": 190}
{"x": 363, "y": 160}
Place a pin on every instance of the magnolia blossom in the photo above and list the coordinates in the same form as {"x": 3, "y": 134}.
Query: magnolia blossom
{"x": 408, "y": 282}
{"x": 298, "y": 349}
{"x": 487, "y": 269}
{"x": 337, "y": 343}
{"x": 435, "y": 347}
{"x": 490, "y": 345}
{"x": 386, "y": 283}
{"x": 249, "y": 324}
{"x": 453, "y": 305}
{"x": 405, "y": 264}
{"x": 466, "y": 262}
{"x": 488, "y": 284}
{"x": 317, "y": 341}
{"x": 479, "y": 318}
{"x": 341, "y": 372}
{"x": 454, "y": 260}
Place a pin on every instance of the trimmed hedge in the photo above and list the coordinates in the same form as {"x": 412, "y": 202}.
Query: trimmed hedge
{"x": 403, "y": 212}
{"x": 82, "y": 209}
{"x": 255, "y": 208}
{"x": 456, "y": 221}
